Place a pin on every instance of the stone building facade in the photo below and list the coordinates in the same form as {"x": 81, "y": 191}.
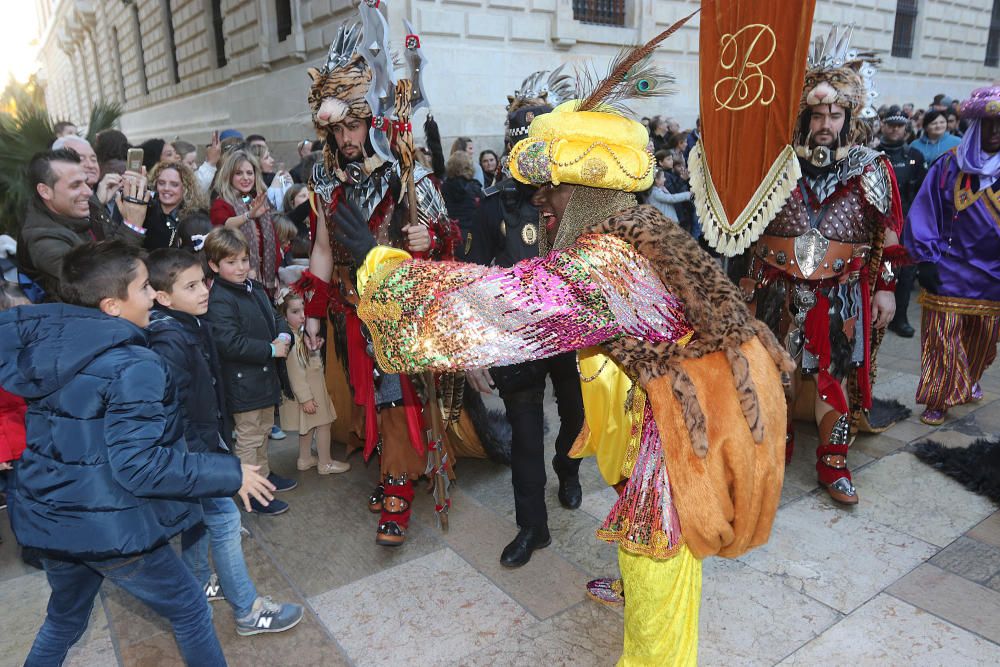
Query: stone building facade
{"x": 183, "y": 67}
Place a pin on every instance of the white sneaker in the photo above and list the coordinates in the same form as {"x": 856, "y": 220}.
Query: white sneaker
{"x": 333, "y": 468}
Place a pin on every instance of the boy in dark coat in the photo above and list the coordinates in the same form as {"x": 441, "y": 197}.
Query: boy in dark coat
{"x": 186, "y": 344}
{"x": 106, "y": 479}
{"x": 251, "y": 339}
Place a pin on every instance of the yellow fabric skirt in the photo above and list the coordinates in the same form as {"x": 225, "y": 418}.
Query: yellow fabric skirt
{"x": 662, "y": 599}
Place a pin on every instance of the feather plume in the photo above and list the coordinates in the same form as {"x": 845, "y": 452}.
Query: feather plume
{"x": 631, "y": 76}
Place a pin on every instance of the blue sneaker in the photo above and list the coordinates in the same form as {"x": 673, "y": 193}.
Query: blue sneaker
{"x": 269, "y": 616}
{"x": 281, "y": 483}
{"x": 277, "y": 433}
{"x": 273, "y": 508}
{"x": 213, "y": 591}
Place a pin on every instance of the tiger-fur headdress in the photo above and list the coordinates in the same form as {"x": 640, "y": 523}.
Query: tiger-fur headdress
{"x": 837, "y": 74}
{"x": 338, "y": 88}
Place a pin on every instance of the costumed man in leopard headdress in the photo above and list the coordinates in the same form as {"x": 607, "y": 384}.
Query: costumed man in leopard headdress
{"x": 953, "y": 233}
{"x": 506, "y": 232}
{"x": 821, "y": 274}
{"x": 351, "y": 171}
{"x": 684, "y": 407}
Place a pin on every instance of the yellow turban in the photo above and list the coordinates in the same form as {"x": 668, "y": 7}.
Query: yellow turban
{"x": 592, "y": 148}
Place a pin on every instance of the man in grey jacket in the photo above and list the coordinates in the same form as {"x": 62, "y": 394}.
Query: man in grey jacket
{"x": 59, "y": 215}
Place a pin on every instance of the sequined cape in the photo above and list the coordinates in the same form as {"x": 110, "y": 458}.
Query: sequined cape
{"x": 447, "y": 316}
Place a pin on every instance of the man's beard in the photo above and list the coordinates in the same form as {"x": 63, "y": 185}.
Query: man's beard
{"x": 832, "y": 146}
{"x": 359, "y": 155}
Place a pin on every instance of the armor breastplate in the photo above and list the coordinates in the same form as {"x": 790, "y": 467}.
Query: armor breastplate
{"x": 818, "y": 243}
{"x": 840, "y": 218}
{"x": 374, "y": 195}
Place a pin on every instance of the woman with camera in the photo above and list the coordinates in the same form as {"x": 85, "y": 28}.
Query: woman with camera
{"x": 176, "y": 197}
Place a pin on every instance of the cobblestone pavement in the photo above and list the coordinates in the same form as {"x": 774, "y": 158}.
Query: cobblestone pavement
{"x": 911, "y": 576}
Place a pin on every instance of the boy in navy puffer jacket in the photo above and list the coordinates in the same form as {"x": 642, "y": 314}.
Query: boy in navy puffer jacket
{"x": 177, "y": 333}
{"x": 106, "y": 479}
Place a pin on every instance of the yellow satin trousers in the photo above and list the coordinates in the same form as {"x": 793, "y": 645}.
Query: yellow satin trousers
{"x": 662, "y": 598}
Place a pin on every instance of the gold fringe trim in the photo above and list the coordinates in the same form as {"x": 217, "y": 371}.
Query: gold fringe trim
{"x": 634, "y": 411}
{"x": 661, "y": 549}
{"x": 958, "y": 305}
{"x": 732, "y": 238}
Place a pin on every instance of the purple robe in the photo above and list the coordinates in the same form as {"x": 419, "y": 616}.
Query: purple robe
{"x": 964, "y": 244}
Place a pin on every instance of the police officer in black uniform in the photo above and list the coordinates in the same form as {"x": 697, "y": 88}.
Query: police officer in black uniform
{"x": 908, "y": 165}
{"x": 504, "y": 233}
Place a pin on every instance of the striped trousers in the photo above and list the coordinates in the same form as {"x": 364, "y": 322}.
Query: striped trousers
{"x": 958, "y": 342}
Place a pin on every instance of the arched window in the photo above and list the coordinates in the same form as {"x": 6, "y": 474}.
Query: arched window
{"x": 168, "y": 34}
{"x": 140, "y": 58}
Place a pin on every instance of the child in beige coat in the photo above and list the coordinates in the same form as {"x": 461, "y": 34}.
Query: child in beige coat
{"x": 311, "y": 412}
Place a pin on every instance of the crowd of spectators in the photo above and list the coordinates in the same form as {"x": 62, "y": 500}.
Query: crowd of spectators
{"x": 228, "y": 229}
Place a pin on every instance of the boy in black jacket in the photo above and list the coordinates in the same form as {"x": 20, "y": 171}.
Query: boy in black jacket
{"x": 186, "y": 344}
{"x": 250, "y": 338}
{"x": 106, "y": 480}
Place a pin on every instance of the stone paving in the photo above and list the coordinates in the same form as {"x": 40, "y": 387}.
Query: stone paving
{"x": 911, "y": 576}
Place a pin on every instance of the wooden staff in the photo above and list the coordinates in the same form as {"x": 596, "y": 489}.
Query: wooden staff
{"x": 438, "y": 470}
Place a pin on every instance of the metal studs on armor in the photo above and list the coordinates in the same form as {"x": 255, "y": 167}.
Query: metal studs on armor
{"x": 840, "y": 432}
{"x": 805, "y": 299}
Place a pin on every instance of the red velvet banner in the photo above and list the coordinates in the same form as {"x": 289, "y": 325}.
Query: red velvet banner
{"x": 753, "y": 58}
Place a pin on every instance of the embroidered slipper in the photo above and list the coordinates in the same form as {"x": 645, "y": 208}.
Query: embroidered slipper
{"x": 607, "y": 591}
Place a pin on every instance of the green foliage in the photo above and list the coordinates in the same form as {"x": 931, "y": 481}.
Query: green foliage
{"x": 22, "y": 135}
{"x": 26, "y": 129}
{"x": 102, "y": 116}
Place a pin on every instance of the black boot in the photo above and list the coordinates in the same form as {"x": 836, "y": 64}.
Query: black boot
{"x": 901, "y": 328}
{"x": 568, "y": 472}
{"x": 570, "y": 493}
{"x": 518, "y": 552}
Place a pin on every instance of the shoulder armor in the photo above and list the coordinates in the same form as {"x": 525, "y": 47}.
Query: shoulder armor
{"x": 858, "y": 158}
{"x": 430, "y": 203}
{"x": 876, "y": 185}
{"x": 322, "y": 182}
{"x": 420, "y": 172}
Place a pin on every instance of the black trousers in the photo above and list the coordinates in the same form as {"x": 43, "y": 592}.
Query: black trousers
{"x": 904, "y": 288}
{"x": 522, "y": 388}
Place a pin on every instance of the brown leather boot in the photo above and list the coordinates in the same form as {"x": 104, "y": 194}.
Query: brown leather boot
{"x": 831, "y": 458}
{"x": 395, "y": 517}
